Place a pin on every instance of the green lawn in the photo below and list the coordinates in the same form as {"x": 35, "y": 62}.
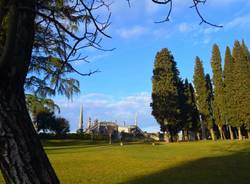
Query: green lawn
{"x": 220, "y": 162}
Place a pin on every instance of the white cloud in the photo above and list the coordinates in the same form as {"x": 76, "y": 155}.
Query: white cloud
{"x": 200, "y": 34}
{"x": 132, "y": 32}
{"x": 241, "y": 21}
{"x": 185, "y": 27}
{"x": 105, "y": 107}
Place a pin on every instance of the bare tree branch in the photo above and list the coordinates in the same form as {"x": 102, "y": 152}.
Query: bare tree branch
{"x": 195, "y": 5}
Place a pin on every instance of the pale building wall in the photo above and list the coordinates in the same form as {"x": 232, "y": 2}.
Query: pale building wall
{"x": 123, "y": 129}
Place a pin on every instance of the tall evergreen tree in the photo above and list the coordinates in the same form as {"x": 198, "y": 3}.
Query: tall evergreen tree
{"x": 201, "y": 95}
{"x": 245, "y": 51}
{"x": 218, "y": 102}
{"x": 185, "y": 120}
{"x": 194, "y": 110}
{"x": 241, "y": 103}
{"x": 210, "y": 99}
{"x": 189, "y": 114}
{"x": 228, "y": 92}
{"x": 165, "y": 96}
{"x": 246, "y": 87}
{"x": 65, "y": 27}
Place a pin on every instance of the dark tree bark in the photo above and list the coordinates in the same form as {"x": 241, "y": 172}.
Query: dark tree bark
{"x": 231, "y": 133}
{"x": 222, "y": 135}
{"x": 22, "y": 158}
{"x": 239, "y": 134}
{"x": 212, "y": 134}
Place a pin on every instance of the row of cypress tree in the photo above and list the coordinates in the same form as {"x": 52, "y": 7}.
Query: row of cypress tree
{"x": 217, "y": 108}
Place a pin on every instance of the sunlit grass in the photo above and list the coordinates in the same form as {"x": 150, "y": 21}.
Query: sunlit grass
{"x": 195, "y": 162}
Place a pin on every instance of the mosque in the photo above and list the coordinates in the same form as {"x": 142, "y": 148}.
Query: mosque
{"x": 106, "y": 127}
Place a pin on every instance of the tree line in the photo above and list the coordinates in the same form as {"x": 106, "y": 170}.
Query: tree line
{"x": 206, "y": 108}
{"x": 42, "y": 112}
{"x": 39, "y": 42}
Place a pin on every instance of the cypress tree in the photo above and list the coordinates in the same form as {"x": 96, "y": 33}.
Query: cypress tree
{"x": 190, "y": 115}
{"x": 194, "y": 110}
{"x": 245, "y": 51}
{"x": 185, "y": 105}
{"x": 218, "y": 102}
{"x": 210, "y": 98}
{"x": 201, "y": 95}
{"x": 228, "y": 92}
{"x": 246, "y": 85}
{"x": 241, "y": 88}
{"x": 165, "y": 96}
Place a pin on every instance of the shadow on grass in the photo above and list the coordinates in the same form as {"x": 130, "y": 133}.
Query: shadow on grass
{"x": 230, "y": 169}
{"x": 51, "y": 145}
{"x": 69, "y": 144}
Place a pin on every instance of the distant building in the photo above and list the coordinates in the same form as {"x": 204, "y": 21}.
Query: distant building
{"x": 103, "y": 128}
{"x": 80, "y": 124}
{"x": 130, "y": 129}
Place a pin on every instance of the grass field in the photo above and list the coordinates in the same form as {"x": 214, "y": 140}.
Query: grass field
{"x": 222, "y": 162}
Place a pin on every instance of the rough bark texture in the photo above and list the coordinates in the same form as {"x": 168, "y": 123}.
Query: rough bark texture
{"x": 203, "y": 130}
{"x": 239, "y": 134}
{"x": 166, "y": 137}
{"x": 212, "y": 134}
{"x": 222, "y": 135}
{"x": 110, "y": 138}
{"x": 198, "y": 136}
{"x": 248, "y": 134}
{"x": 186, "y": 135}
{"x": 231, "y": 133}
{"x": 22, "y": 158}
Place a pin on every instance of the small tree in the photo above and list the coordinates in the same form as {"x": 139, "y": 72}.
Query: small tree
{"x": 44, "y": 121}
{"x": 36, "y": 105}
{"x": 60, "y": 126}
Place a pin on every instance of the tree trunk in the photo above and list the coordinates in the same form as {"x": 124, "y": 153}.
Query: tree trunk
{"x": 166, "y": 137}
{"x": 221, "y": 132}
{"x": 212, "y": 134}
{"x": 186, "y": 135}
{"x": 22, "y": 158}
{"x": 110, "y": 139}
{"x": 248, "y": 134}
{"x": 239, "y": 134}
{"x": 198, "y": 136}
{"x": 231, "y": 133}
{"x": 203, "y": 129}
{"x": 183, "y": 135}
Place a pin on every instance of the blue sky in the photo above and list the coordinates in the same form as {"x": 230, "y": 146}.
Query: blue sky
{"x": 123, "y": 87}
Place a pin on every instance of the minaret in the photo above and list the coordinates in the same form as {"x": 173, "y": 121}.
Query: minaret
{"x": 81, "y": 119}
{"x": 89, "y": 122}
{"x": 136, "y": 119}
